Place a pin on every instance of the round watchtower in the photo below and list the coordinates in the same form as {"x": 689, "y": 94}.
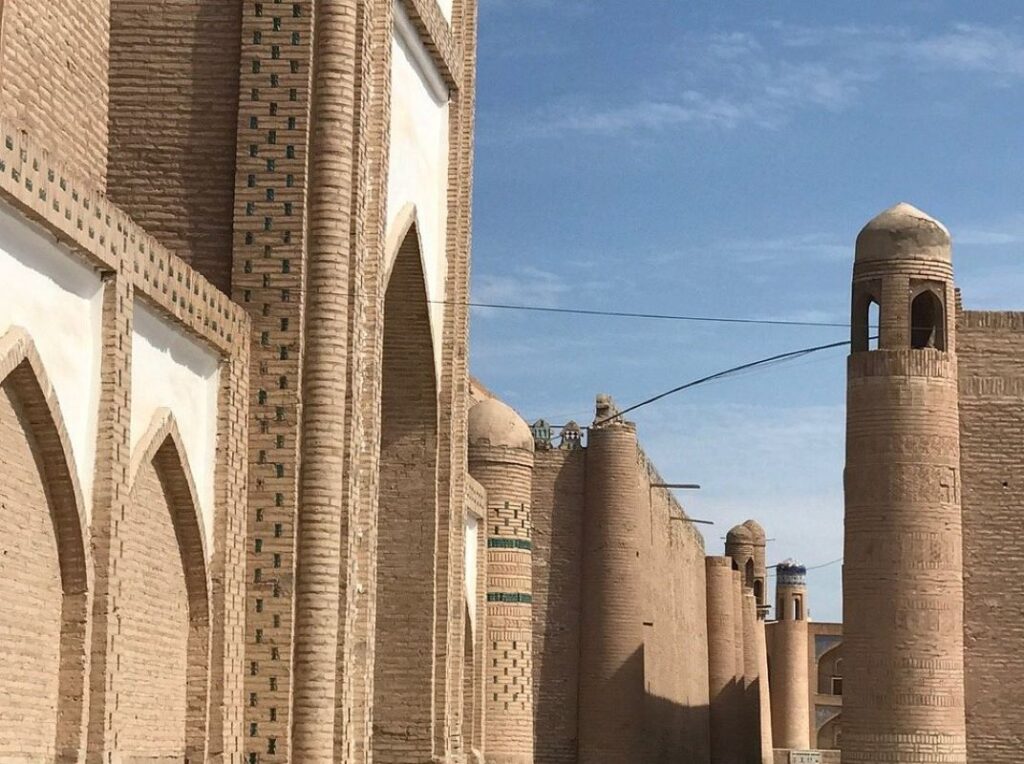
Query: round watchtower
{"x": 501, "y": 460}
{"x": 791, "y": 715}
{"x": 903, "y": 579}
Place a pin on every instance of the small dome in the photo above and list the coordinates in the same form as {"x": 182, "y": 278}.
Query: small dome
{"x": 903, "y": 231}
{"x": 492, "y": 423}
{"x": 739, "y": 535}
{"x": 755, "y": 530}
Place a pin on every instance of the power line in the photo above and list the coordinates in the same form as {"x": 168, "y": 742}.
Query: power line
{"x": 726, "y": 373}
{"x": 632, "y": 314}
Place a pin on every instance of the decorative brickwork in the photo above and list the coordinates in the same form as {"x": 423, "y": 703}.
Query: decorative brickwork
{"x": 54, "y": 60}
{"x": 501, "y": 458}
{"x": 47, "y": 190}
{"x": 903, "y": 575}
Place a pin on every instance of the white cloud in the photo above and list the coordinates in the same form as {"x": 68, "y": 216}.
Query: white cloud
{"x": 765, "y": 78}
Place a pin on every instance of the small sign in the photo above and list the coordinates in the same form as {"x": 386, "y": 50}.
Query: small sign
{"x": 805, "y": 757}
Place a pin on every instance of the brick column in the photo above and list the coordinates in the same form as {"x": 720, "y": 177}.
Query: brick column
{"x": 722, "y": 660}
{"x": 790, "y": 698}
{"x": 611, "y": 699}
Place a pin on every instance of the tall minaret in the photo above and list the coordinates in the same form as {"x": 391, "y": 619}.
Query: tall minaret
{"x": 903, "y": 698}
{"x": 791, "y": 714}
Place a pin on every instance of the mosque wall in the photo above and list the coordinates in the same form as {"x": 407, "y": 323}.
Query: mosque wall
{"x": 123, "y": 375}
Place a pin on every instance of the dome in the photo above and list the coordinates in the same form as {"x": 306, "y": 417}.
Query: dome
{"x": 756, "y": 531}
{"x": 903, "y": 231}
{"x": 739, "y": 535}
{"x": 492, "y": 423}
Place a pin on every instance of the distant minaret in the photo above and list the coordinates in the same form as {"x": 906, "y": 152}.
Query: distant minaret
{"x": 903, "y": 699}
{"x": 790, "y": 692}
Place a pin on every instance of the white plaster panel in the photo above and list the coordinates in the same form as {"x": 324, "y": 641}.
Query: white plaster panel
{"x": 171, "y": 370}
{"x": 446, "y": 9}
{"x": 472, "y": 538}
{"x": 418, "y": 163}
{"x": 58, "y": 300}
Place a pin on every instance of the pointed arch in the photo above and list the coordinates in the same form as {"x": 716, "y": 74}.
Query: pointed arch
{"x": 407, "y": 514}
{"x": 927, "y": 320}
{"x": 162, "y": 450}
{"x": 34, "y": 401}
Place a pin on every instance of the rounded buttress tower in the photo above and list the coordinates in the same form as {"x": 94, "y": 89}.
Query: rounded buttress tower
{"x": 791, "y": 714}
{"x": 611, "y": 689}
{"x": 759, "y": 543}
{"x": 903, "y": 698}
{"x": 723, "y": 692}
{"x": 501, "y": 460}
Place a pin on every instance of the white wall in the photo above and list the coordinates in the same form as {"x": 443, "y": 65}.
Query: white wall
{"x": 418, "y": 164}
{"x": 171, "y": 370}
{"x": 47, "y": 291}
{"x": 446, "y": 9}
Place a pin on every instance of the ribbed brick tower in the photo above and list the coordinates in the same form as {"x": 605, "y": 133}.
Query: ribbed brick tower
{"x": 501, "y": 460}
{"x": 722, "y": 661}
{"x": 611, "y": 692}
{"x": 791, "y": 715}
{"x": 903, "y": 603}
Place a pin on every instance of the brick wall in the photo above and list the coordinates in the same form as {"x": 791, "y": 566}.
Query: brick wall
{"x": 990, "y": 349}
{"x": 675, "y": 629}
{"x": 557, "y": 527}
{"x": 53, "y": 78}
{"x": 173, "y": 123}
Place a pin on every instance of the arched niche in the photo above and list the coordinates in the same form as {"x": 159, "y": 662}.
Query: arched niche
{"x": 45, "y": 566}
{"x": 407, "y": 514}
{"x": 927, "y": 321}
{"x": 165, "y": 619}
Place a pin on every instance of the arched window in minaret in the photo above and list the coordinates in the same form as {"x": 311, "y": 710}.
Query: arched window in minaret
{"x": 866, "y": 320}
{"x": 927, "y": 321}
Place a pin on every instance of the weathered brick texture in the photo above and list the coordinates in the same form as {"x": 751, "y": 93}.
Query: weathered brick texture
{"x": 903, "y": 577}
{"x": 29, "y": 564}
{"x": 407, "y": 521}
{"x": 558, "y": 484}
{"x": 173, "y": 124}
{"x": 990, "y": 348}
{"x": 53, "y": 78}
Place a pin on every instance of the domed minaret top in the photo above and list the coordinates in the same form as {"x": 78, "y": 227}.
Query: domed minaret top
{"x": 903, "y": 231}
{"x": 493, "y": 423}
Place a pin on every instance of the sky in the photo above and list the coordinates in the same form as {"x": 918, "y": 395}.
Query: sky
{"x": 718, "y": 159}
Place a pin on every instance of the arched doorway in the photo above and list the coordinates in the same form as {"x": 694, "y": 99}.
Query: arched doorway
{"x": 407, "y": 518}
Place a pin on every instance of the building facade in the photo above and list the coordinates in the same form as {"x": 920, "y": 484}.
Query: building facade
{"x": 235, "y": 238}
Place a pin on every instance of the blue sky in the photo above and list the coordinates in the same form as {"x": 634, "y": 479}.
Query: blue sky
{"x": 718, "y": 159}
